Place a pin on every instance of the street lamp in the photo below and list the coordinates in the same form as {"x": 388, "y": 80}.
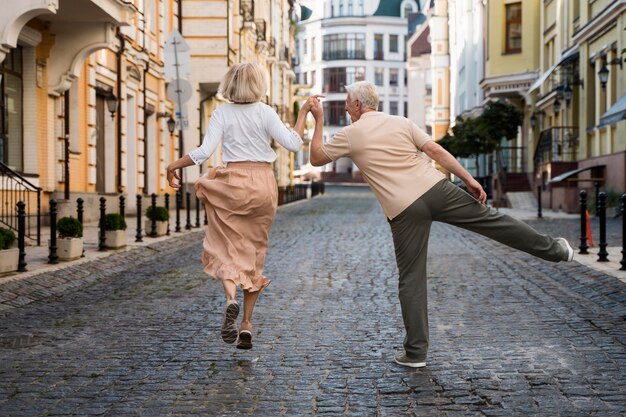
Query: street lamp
{"x": 556, "y": 107}
{"x": 171, "y": 124}
{"x": 567, "y": 93}
{"x": 603, "y": 74}
{"x": 533, "y": 121}
{"x": 111, "y": 104}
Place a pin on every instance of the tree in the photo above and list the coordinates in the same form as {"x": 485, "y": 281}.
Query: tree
{"x": 484, "y": 134}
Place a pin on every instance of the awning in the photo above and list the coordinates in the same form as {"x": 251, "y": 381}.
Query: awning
{"x": 616, "y": 113}
{"x": 568, "y": 174}
{"x": 565, "y": 58}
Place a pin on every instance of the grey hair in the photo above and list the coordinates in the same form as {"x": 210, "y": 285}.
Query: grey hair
{"x": 365, "y": 92}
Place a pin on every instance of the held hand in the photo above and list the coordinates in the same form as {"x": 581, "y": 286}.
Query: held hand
{"x": 171, "y": 176}
{"x": 310, "y": 102}
{"x": 476, "y": 191}
{"x": 317, "y": 111}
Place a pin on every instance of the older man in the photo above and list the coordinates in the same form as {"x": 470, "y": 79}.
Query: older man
{"x": 393, "y": 156}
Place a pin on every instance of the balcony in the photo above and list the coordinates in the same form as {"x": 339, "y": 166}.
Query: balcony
{"x": 344, "y": 54}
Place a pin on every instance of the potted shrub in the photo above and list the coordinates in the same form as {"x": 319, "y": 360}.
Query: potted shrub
{"x": 115, "y": 231}
{"x": 70, "y": 241}
{"x": 161, "y": 216}
{"x": 9, "y": 256}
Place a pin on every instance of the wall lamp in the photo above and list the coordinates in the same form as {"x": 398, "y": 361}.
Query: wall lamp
{"x": 171, "y": 123}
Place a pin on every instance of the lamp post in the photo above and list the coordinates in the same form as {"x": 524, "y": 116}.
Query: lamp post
{"x": 603, "y": 74}
{"x": 112, "y": 104}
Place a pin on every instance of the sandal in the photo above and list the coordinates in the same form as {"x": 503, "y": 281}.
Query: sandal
{"x": 245, "y": 340}
{"x": 229, "y": 328}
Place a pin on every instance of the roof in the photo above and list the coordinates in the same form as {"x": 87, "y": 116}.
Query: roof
{"x": 305, "y": 13}
{"x": 389, "y": 8}
{"x": 616, "y": 113}
{"x": 421, "y": 45}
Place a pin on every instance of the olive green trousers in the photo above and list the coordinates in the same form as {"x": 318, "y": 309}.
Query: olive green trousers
{"x": 447, "y": 203}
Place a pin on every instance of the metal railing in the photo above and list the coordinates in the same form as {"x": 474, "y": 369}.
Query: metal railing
{"x": 556, "y": 144}
{"x": 512, "y": 158}
{"x": 14, "y": 188}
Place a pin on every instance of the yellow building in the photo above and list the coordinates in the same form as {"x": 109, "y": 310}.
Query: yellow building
{"x": 511, "y": 66}
{"x": 83, "y": 86}
{"x": 580, "y": 100}
{"x": 440, "y": 69}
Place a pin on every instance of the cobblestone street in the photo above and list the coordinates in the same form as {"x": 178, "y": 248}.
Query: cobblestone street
{"x": 138, "y": 334}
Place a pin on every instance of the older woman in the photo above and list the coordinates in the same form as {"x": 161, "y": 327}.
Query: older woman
{"x": 240, "y": 199}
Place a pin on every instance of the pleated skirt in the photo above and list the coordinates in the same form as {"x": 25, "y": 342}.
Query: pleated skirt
{"x": 240, "y": 202}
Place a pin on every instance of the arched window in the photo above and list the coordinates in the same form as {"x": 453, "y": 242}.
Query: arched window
{"x": 407, "y": 7}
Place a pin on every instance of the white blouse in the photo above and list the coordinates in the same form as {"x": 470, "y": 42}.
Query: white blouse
{"x": 245, "y": 131}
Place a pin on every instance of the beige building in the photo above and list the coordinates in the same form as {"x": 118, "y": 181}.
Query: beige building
{"x": 84, "y": 104}
{"x": 579, "y": 100}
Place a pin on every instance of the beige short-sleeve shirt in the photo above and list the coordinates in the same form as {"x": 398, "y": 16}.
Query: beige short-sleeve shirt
{"x": 387, "y": 151}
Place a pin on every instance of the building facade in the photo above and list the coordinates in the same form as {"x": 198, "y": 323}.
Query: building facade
{"x": 579, "y": 101}
{"x": 85, "y": 109}
{"x": 343, "y": 41}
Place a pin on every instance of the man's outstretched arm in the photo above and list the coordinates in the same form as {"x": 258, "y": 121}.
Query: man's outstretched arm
{"x": 316, "y": 154}
{"x": 449, "y": 162}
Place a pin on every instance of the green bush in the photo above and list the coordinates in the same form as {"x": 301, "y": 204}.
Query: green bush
{"x": 161, "y": 214}
{"x": 69, "y": 227}
{"x": 7, "y": 237}
{"x": 114, "y": 221}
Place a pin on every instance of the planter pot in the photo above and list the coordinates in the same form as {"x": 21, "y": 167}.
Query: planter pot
{"x": 115, "y": 238}
{"x": 161, "y": 228}
{"x": 9, "y": 259}
{"x": 69, "y": 248}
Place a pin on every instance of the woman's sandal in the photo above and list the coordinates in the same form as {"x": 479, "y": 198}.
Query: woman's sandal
{"x": 229, "y": 328}
{"x": 245, "y": 340}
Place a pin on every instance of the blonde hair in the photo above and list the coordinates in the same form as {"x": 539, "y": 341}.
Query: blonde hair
{"x": 244, "y": 83}
{"x": 365, "y": 92}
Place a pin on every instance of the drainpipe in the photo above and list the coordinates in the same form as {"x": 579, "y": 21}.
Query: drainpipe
{"x": 119, "y": 54}
{"x": 66, "y": 142}
{"x": 145, "y": 126}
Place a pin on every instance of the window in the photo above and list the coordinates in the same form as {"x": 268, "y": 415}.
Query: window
{"x": 393, "y": 43}
{"x": 361, "y": 10}
{"x": 379, "y": 76}
{"x": 393, "y": 77}
{"x": 305, "y": 46}
{"x": 393, "y": 108}
{"x": 344, "y": 46}
{"x": 152, "y": 15}
{"x": 336, "y": 113}
{"x": 305, "y": 81}
{"x": 406, "y": 109}
{"x": 350, "y": 8}
{"x": 312, "y": 77}
{"x": 340, "y": 7}
{"x": 313, "y": 57}
{"x": 513, "y": 41}
{"x": 378, "y": 46}
{"x": 408, "y": 9}
{"x": 335, "y": 79}
{"x": 11, "y": 109}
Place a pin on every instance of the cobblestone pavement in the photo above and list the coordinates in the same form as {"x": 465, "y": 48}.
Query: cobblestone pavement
{"x": 510, "y": 335}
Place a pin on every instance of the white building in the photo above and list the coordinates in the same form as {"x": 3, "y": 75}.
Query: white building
{"x": 343, "y": 41}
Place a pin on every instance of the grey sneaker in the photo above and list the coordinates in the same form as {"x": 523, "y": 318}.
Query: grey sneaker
{"x": 567, "y": 248}
{"x": 229, "y": 328}
{"x": 402, "y": 359}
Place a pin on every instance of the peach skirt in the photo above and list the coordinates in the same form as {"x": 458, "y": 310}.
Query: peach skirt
{"x": 240, "y": 202}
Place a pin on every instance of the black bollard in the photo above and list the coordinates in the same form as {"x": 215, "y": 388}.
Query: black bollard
{"x": 197, "y": 212}
{"x": 80, "y": 209}
{"x": 138, "y": 236}
{"x": 153, "y": 231}
{"x": 623, "y": 261}
{"x": 21, "y": 232}
{"x": 102, "y": 246}
{"x": 179, "y": 202}
{"x": 539, "y": 202}
{"x": 602, "y": 255}
{"x": 167, "y": 208}
{"x": 596, "y": 184}
{"x": 188, "y": 207}
{"x": 122, "y": 206}
{"x": 583, "y": 223}
{"x": 53, "y": 258}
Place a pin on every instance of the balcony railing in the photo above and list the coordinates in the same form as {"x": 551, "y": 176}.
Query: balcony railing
{"x": 556, "y": 144}
{"x": 344, "y": 54}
